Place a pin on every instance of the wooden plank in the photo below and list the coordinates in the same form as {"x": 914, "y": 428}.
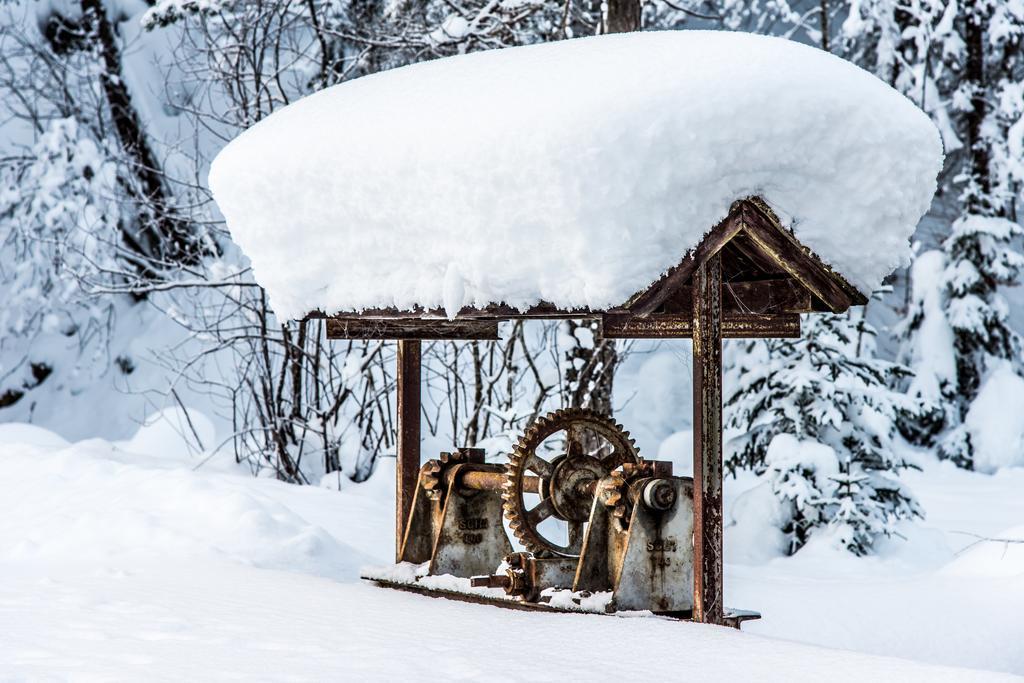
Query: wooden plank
{"x": 407, "y": 449}
{"x": 766, "y": 296}
{"x": 411, "y": 328}
{"x": 742, "y": 258}
{"x": 654, "y": 296}
{"x": 782, "y": 247}
{"x": 680, "y": 326}
{"x": 707, "y": 442}
{"x": 777, "y": 295}
{"x": 496, "y": 312}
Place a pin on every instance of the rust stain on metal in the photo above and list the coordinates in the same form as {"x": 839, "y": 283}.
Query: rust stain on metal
{"x": 470, "y": 539}
{"x": 407, "y": 467}
{"x": 707, "y": 442}
{"x": 680, "y": 326}
{"x": 410, "y": 328}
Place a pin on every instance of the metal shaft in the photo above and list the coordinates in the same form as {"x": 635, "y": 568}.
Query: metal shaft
{"x": 493, "y": 481}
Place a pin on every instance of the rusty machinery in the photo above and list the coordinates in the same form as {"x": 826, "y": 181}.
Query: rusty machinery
{"x": 590, "y": 515}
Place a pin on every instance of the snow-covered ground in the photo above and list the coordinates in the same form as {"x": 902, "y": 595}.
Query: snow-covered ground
{"x": 117, "y": 565}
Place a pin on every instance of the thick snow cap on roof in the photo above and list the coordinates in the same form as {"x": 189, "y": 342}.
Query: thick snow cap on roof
{"x": 574, "y": 172}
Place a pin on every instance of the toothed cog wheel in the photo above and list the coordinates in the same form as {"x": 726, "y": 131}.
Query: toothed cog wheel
{"x": 433, "y": 470}
{"x": 594, "y": 447}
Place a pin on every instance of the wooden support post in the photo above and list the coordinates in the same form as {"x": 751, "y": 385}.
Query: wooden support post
{"x": 407, "y": 468}
{"x": 707, "y": 441}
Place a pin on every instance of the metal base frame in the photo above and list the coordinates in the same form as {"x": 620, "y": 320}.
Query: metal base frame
{"x": 732, "y": 618}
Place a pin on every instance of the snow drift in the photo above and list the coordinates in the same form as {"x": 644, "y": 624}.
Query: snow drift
{"x": 169, "y": 567}
{"x": 574, "y": 172}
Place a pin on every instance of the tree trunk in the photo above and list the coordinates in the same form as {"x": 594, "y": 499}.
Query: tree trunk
{"x": 976, "y": 199}
{"x": 823, "y": 25}
{"x": 161, "y": 235}
{"x": 623, "y": 16}
{"x": 591, "y": 373}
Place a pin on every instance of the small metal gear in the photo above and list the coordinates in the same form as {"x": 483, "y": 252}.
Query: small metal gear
{"x": 567, "y": 482}
{"x": 433, "y": 470}
{"x": 640, "y": 468}
{"x": 616, "y": 491}
{"x": 615, "y": 495}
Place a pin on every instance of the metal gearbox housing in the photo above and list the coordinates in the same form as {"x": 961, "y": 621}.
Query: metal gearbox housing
{"x": 630, "y": 521}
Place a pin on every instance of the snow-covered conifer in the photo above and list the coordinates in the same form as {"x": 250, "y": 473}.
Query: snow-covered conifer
{"x": 819, "y": 416}
{"x": 59, "y": 230}
{"x": 59, "y": 221}
{"x": 980, "y": 259}
{"x": 927, "y": 349}
{"x": 961, "y": 63}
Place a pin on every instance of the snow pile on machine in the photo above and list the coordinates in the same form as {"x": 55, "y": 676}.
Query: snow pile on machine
{"x": 574, "y": 173}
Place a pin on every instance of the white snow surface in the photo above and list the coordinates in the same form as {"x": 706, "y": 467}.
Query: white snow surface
{"x": 574, "y": 172}
{"x": 168, "y": 566}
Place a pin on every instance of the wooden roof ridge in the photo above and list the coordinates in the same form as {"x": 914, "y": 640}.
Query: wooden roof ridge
{"x": 753, "y": 217}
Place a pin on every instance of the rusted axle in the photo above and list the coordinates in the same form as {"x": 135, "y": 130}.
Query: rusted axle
{"x": 493, "y": 581}
{"x": 493, "y": 481}
{"x": 657, "y": 494}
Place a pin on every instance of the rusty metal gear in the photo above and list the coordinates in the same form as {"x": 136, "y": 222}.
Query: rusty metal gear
{"x": 616, "y": 488}
{"x": 567, "y": 482}
{"x": 432, "y": 472}
{"x": 615, "y": 495}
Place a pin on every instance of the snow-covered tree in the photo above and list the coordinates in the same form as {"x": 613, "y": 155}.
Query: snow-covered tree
{"x": 88, "y": 213}
{"x": 285, "y": 52}
{"x": 957, "y": 331}
{"x": 957, "y": 339}
{"x": 819, "y": 416}
{"x": 60, "y": 230}
{"x": 961, "y": 62}
{"x": 980, "y": 259}
{"x": 927, "y": 348}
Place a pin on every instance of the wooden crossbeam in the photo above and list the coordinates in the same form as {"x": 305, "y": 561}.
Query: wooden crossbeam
{"x": 541, "y": 310}
{"x": 411, "y": 328}
{"x": 680, "y": 326}
{"x": 791, "y": 256}
{"x": 763, "y": 297}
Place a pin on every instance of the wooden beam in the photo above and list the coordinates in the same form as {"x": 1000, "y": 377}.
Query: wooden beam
{"x": 680, "y": 326}
{"x": 654, "y": 296}
{"x": 435, "y": 315}
{"x": 407, "y": 466}
{"x": 411, "y": 328}
{"x": 763, "y": 297}
{"x": 707, "y": 442}
{"x": 777, "y": 243}
{"x": 741, "y": 255}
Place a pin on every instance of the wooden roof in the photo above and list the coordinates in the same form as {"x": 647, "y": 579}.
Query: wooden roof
{"x": 768, "y": 280}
